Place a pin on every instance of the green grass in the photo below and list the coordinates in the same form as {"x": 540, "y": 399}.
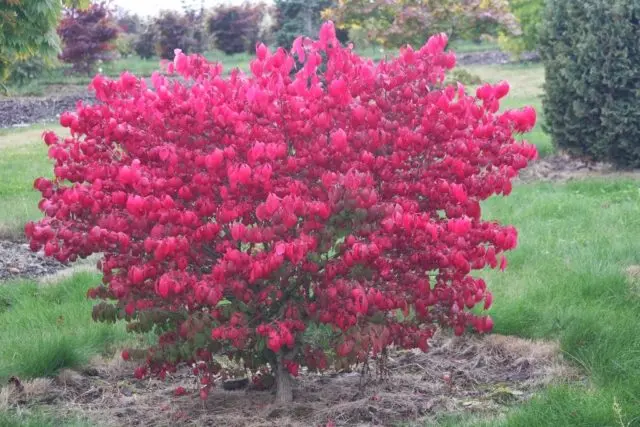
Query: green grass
{"x": 28, "y": 418}
{"x": 566, "y": 281}
{"x": 23, "y": 158}
{"x": 468, "y": 46}
{"x": 46, "y": 328}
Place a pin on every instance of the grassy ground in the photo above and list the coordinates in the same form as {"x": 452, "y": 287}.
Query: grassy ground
{"x": 467, "y": 46}
{"x": 46, "y": 328}
{"x": 140, "y": 67}
{"x": 39, "y": 419}
{"x": 567, "y": 281}
{"x": 23, "y": 158}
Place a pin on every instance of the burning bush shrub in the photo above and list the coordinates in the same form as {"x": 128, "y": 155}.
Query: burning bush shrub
{"x": 323, "y": 189}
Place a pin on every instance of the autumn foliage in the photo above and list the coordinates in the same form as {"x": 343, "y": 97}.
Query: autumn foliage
{"x": 394, "y": 23}
{"x": 322, "y": 190}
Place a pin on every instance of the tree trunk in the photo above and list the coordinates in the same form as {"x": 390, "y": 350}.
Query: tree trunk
{"x": 308, "y": 24}
{"x": 284, "y": 382}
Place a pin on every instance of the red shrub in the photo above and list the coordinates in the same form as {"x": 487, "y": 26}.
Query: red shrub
{"x": 237, "y": 213}
{"x": 87, "y": 36}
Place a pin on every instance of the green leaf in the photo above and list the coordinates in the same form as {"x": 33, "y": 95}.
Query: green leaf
{"x": 223, "y": 302}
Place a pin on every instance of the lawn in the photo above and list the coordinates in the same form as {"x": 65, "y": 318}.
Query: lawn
{"x": 23, "y": 158}
{"x": 565, "y": 282}
{"x": 138, "y": 66}
{"x": 46, "y": 328}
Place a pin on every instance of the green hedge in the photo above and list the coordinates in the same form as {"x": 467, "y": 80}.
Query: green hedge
{"x": 591, "y": 52}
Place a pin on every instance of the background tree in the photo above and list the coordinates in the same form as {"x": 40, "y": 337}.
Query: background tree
{"x": 298, "y": 17}
{"x": 88, "y": 37}
{"x": 529, "y": 14}
{"x": 194, "y": 13}
{"x": 177, "y": 30}
{"x": 28, "y": 28}
{"x": 392, "y": 24}
{"x": 145, "y": 42}
{"x": 129, "y": 25}
{"x": 591, "y": 56}
{"x": 236, "y": 29}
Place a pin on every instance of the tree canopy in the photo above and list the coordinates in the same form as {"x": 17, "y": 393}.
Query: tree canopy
{"x": 28, "y": 28}
{"x": 395, "y": 23}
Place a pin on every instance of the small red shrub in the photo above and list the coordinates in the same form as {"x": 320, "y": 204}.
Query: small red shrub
{"x": 235, "y": 214}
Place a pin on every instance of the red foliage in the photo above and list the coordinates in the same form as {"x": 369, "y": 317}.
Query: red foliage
{"x": 87, "y": 36}
{"x": 236, "y": 213}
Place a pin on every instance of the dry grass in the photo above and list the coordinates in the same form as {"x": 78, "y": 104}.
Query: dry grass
{"x": 633, "y": 276}
{"x": 562, "y": 167}
{"x": 87, "y": 265}
{"x": 486, "y": 375}
{"x": 24, "y": 392}
{"x": 10, "y": 138}
{"x": 526, "y": 81}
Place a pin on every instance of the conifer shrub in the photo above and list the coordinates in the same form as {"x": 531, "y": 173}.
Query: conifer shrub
{"x": 592, "y": 88}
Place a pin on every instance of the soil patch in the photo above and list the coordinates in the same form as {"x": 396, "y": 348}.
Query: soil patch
{"x": 23, "y": 111}
{"x": 562, "y": 167}
{"x": 18, "y": 262}
{"x": 476, "y": 374}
